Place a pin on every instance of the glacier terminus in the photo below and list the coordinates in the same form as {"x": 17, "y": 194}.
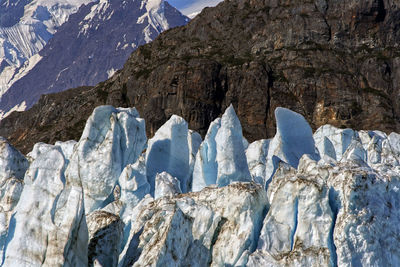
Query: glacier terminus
{"x": 117, "y": 198}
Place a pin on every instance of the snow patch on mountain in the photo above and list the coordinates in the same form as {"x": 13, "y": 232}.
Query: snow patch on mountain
{"x": 19, "y": 107}
{"x": 111, "y": 72}
{"x": 26, "y": 38}
{"x": 10, "y": 74}
{"x": 192, "y": 8}
{"x": 101, "y": 11}
{"x": 79, "y": 52}
{"x": 154, "y": 15}
{"x": 97, "y": 10}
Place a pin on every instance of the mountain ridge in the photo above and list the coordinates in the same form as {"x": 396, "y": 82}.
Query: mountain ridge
{"x": 91, "y": 46}
{"x": 25, "y": 28}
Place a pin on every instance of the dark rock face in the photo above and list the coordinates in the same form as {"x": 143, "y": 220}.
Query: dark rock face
{"x": 94, "y": 42}
{"x": 335, "y": 62}
{"x": 11, "y": 12}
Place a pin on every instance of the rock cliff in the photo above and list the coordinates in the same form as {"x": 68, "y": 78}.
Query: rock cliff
{"x": 332, "y": 61}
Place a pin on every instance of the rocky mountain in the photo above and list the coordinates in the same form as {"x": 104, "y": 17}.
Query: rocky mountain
{"x": 91, "y": 46}
{"x": 332, "y": 61}
{"x": 25, "y": 28}
{"x": 115, "y": 198}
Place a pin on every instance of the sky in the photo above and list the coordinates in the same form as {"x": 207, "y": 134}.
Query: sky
{"x": 188, "y": 7}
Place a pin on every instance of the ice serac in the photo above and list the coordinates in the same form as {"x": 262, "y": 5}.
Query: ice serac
{"x": 326, "y": 148}
{"x": 221, "y": 158}
{"x": 38, "y": 149}
{"x": 256, "y": 155}
{"x": 105, "y": 232}
{"x": 169, "y": 151}
{"x": 296, "y": 228}
{"x": 355, "y": 153}
{"x": 133, "y": 221}
{"x": 394, "y": 141}
{"x": 231, "y": 158}
{"x": 166, "y": 185}
{"x": 366, "y": 230}
{"x": 339, "y": 138}
{"x": 331, "y": 213}
{"x": 313, "y": 213}
{"x": 134, "y": 185}
{"x": 379, "y": 149}
{"x": 112, "y": 139}
{"x": 13, "y": 166}
{"x": 12, "y": 162}
{"x": 205, "y": 167}
{"x": 194, "y": 140}
{"x": 195, "y": 229}
{"x": 293, "y": 139}
{"x": 48, "y": 226}
{"x": 10, "y": 193}
{"x": 67, "y": 148}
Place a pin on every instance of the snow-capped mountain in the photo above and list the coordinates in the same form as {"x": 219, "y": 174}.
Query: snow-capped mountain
{"x": 329, "y": 198}
{"x": 191, "y": 8}
{"x": 87, "y": 49}
{"x": 25, "y": 28}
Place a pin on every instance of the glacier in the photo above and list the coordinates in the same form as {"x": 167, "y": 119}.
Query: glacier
{"x": 116, "y": 198}
{"x": 13, "y": 166}
{"x": 48, "y": 226}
